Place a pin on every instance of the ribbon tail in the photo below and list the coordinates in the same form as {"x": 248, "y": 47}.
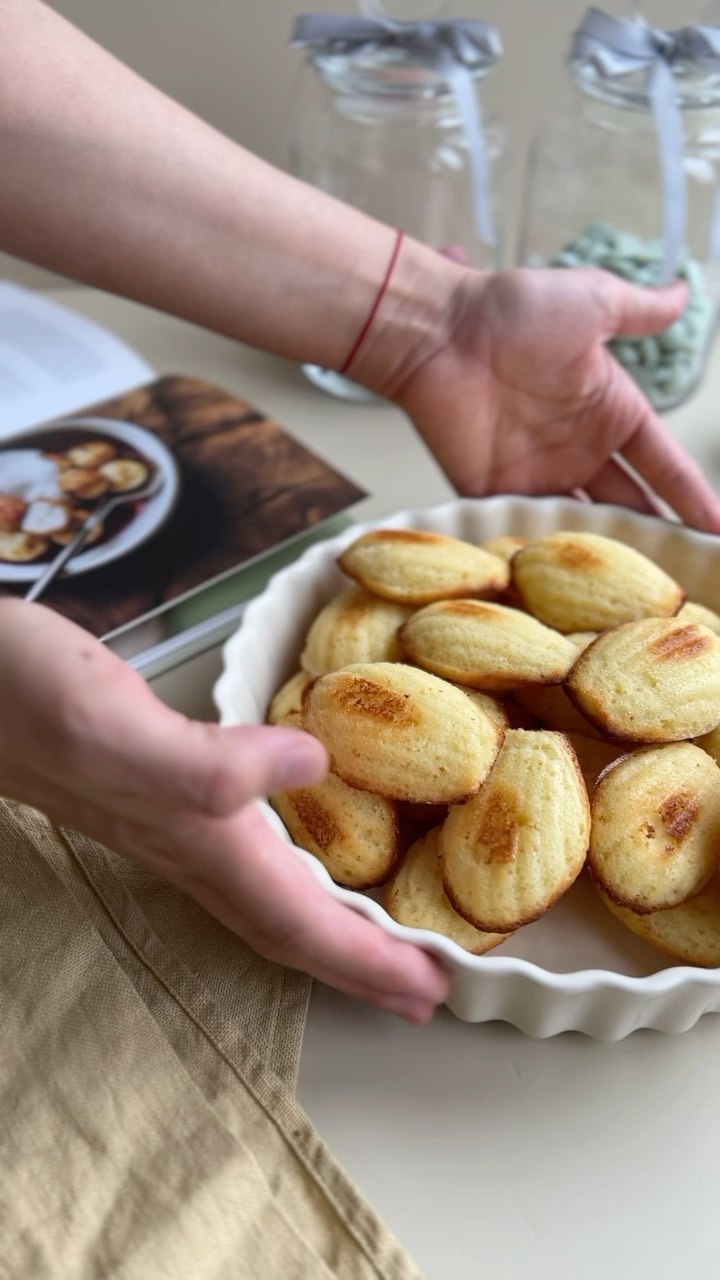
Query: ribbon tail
{"x": 669, "y": 127}
{"x": 460, "y": 80}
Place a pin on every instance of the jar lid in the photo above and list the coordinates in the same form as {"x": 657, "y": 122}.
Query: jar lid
{"x": 614, "y": 58}
{"x": 401, "y": 59}
{"x": 375, "y": 55}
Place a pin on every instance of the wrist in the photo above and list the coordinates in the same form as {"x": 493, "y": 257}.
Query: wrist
{"x": 418, "y": 317}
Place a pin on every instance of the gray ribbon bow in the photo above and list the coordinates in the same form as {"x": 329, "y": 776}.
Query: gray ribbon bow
{"x": 617, "y": 46}
{"x": 454, "y": 47}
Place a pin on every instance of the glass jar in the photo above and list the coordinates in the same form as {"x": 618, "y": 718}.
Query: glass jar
{"x": 379, "y": 127}
{"x": 594, "y": 196}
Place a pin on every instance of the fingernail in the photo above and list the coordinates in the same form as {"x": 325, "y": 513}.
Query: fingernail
{"x": 303, "y": 762}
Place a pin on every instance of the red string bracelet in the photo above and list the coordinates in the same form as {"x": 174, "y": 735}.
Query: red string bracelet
{"x": 376, "y": 304}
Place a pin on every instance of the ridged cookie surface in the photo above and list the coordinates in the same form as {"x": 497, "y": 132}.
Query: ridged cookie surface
{"x": 492, "y": 707}
{"x": 689, "y": 933}
{"x": 512, "y": 851}
{"x": 656, "y": 680}
{"x": 694, "y": 612}
{"x": 415, "y": 567}
{"x": 286, "y": 706}
{"x": 504, "y": 545}
{"x": 356, "y": 835}
{"x": 655, "y": 838}
{"x": 586, "y": 582}
{"x": 414, "y": 896}
{"x": 401, "y": 732}
{"x": 355, "y": 626}
{"x": 486, "y": 645}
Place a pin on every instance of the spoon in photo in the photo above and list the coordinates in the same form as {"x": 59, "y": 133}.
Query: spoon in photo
{"x": 96, "y": 517}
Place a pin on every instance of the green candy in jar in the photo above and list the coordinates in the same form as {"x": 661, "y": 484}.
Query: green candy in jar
{"x": 668, "y": 364}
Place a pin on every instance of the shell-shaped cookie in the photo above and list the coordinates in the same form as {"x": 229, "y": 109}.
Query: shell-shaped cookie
{"x": 552, "y": 708}
{"x": 655, "y": 680}
{"x": 356, "y": 835}
{"x": 504, "y": 545}
{"x": 513, "y": 850}
{"x": 655, "y": 838}
{"x": 492, "y": 707}
{"x": 692, "y": 611}
{"x": 414, "y": 896}
{"x": 710, "y": 742}
{"x": 286, "y": 706}
{"x": 415, "y": 566}
{"x": 594, "y": 755}
{"x": 689, "y": 932}
{"x": 355, "y": 626}
{"x": 401, "y": 732}
{"x": 18, "y": 547}
{"x": 586, "y": 582}
{"x": 486, "y": 645}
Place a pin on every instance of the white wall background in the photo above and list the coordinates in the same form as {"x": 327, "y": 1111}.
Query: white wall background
{"x": 230, "y": 61}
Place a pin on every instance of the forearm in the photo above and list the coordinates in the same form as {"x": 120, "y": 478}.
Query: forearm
{"x": 110, "y": 182}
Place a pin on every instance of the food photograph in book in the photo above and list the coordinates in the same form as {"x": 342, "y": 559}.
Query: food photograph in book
{"x": 115, "y": 513}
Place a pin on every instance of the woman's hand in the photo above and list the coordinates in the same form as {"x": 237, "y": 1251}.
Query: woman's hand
{"x": 519, "y": 393}
{"x": 84, "y": 739}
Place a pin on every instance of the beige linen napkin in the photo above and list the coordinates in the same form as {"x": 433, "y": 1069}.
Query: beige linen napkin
{"x": 148, "y": 1128}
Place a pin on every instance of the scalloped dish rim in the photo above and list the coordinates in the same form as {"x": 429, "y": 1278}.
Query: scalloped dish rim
{"x": 314, "y": 564}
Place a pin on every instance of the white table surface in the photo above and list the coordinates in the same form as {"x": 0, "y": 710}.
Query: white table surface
{"x": 488, "y": 1154}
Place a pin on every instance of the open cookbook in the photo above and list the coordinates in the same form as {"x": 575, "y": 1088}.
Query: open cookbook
{"x": 185, "y": 497}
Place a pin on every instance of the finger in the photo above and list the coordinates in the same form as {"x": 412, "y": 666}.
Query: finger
{"x": 613, "y": 483}
{"x": 632, "y": 310}
{"x": 256, "y": 884}
{"x": 217, "y": 770}
{"x": 671, "y": 473}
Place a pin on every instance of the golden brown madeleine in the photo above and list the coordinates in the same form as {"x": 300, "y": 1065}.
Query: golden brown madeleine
{"x": 513, "y": 850}
{"x": 125, "y": 474}
{"x": 353, "y": 627}
{"x": 655, "y": 838}
{"x": 710, "y": 742}
{"x": 504, "y": 545}
{"x": 356, "y": 835}
{"x": 401, "y": 732}
{"x": 492, "y": 707}
{"x": 594, "y": 755}
{"x": 92, "y": 453}
{"x": 586, "y": 582}
{"x": 286, "y": 706}
{"x": 486, "y": 645}
{"x": 552, "y": 708}
{"x": 414, "y": 896}
{"x": 19, "y": 547}
{"x": 415, "y": 567}
{"x": 689, "y": 932}
{"x": 692, "y": 611}
{"x": 656, "y": 680}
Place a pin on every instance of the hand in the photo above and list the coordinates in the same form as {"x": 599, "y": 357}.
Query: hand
{"x": 85, "y": 740}
{"x": 522, "y": 395}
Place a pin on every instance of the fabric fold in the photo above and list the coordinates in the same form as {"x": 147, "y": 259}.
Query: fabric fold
{"x": 148, "y": 1126}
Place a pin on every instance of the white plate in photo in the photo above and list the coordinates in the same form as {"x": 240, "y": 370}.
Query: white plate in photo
{"x": 29, "y": 473}
{"x": 576, "y": 968}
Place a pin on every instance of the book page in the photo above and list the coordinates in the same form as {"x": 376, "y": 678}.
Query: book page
{"x": 54, "y": 362}
{"x": 236, "y": 490}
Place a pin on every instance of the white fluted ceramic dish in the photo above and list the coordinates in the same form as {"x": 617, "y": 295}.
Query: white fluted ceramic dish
{"x": 577, "y": 968}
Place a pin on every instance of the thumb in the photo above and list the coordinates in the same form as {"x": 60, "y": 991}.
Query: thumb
{"x": 634, "y": 310}
{"x": 216, "y": 771}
